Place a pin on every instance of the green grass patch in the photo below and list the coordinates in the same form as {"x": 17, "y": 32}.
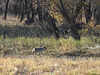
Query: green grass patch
{"x": 62, "y": 45}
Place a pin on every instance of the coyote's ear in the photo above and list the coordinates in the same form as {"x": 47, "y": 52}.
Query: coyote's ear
{"x": 45, "y": 47}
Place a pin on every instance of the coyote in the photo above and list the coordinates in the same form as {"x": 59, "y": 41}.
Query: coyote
{"x": 39, "y": 49}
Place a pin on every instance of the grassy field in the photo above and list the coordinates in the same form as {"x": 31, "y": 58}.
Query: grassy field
{"x": 61, "y": 46}
{"x": 65, "y": 56}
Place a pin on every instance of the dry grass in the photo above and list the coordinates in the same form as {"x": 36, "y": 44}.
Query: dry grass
{"x": 10, "y": 21}
{"x": 46, "y": 65}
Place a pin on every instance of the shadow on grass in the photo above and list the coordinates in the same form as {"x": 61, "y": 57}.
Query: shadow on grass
{"x": 23, "y": 31}
{"x": 82, "y": 54}
{"x": 73, "y": 55}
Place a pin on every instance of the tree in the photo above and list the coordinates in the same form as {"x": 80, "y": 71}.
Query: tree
{"x": 6, "y": 9}
{"x": 70, "y": 10}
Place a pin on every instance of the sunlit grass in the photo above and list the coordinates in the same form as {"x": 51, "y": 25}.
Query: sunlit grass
{"x": 46, "y": 65}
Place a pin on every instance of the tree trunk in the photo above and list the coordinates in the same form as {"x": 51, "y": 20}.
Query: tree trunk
{"x": 55, "y": 28}
{"x": 39, "y": 10}
{"x": 33, "y": 14}
{"x": 5, "y": 15}
{"x": 22, "y": 12}
{"x": 74, "y": 31}
{"x": 19, "y": 9}
{"x": 26, "y": 7}
{"x": 88, "y": 12}
{"x": 51, "y": 21}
